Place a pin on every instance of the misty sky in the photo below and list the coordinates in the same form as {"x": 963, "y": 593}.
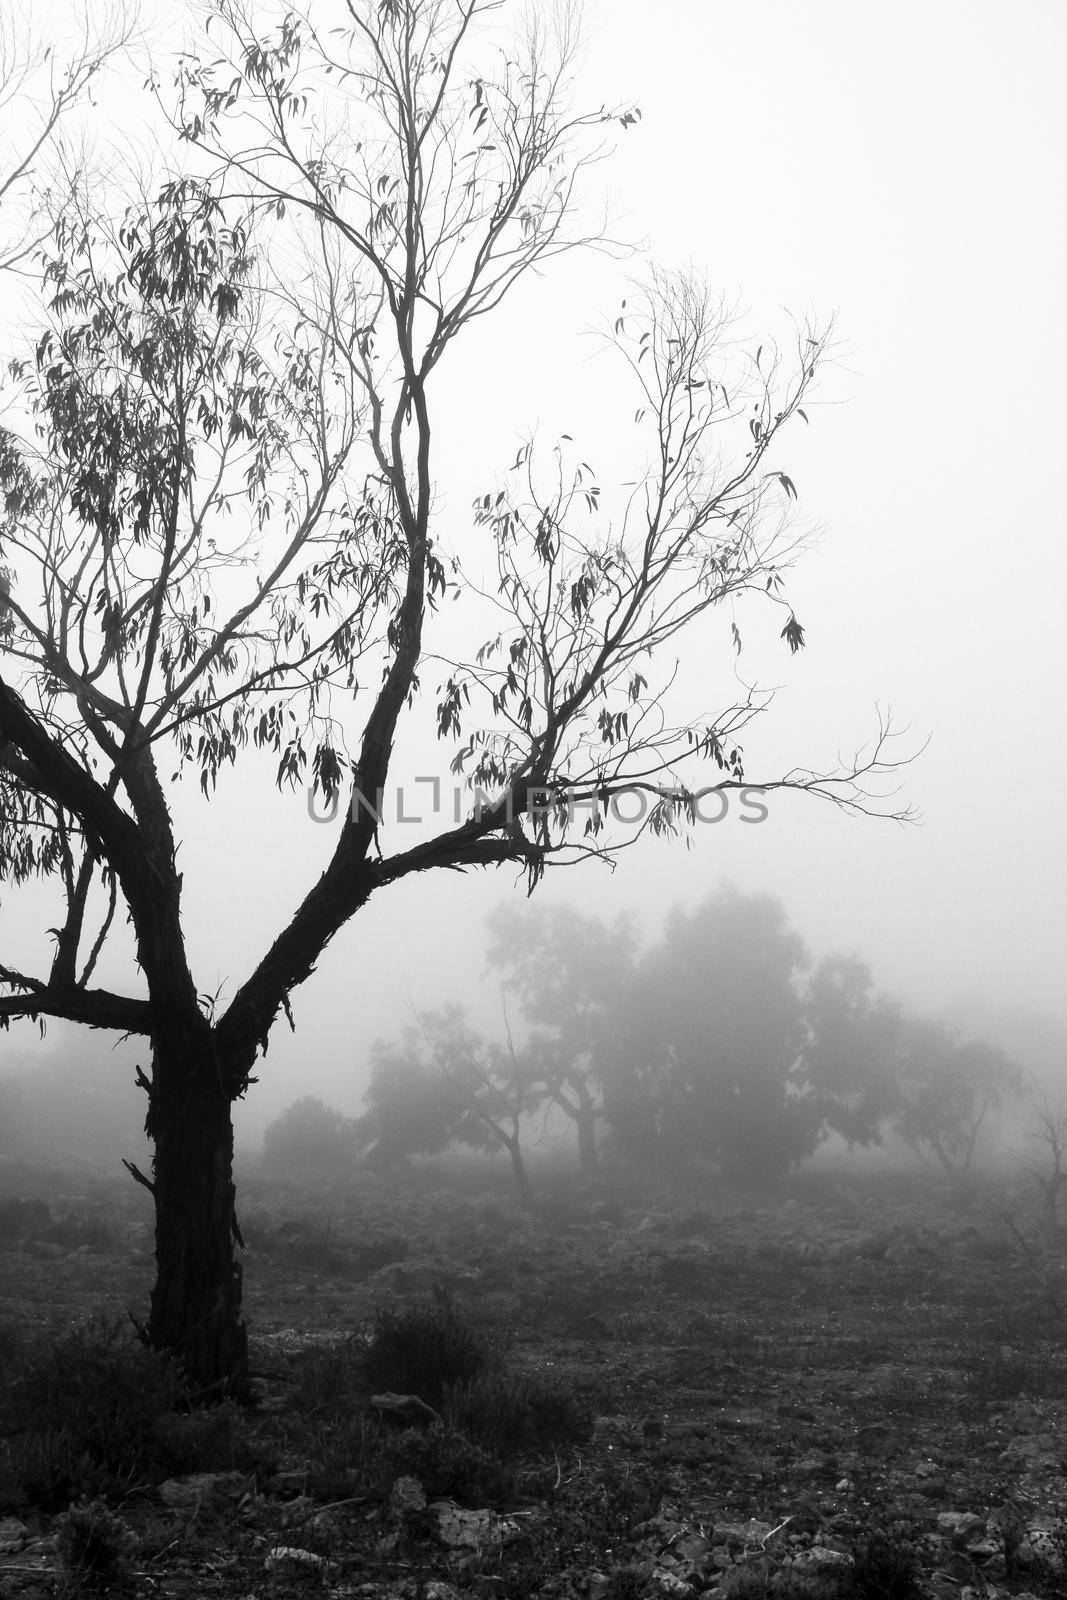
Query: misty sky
{"x": 901, "y": 170}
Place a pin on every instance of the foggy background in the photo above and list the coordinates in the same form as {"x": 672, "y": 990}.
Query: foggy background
{"x": 904, "y": 174}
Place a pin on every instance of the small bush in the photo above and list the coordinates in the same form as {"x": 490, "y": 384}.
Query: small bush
{"x": 22, "y": 1219}
{"x": 353, "y": 1454}
{"x": 629, "y": 1582}
{"x": 425, "y": 1349}
{"x": 887, "y": 1567}
{"x": 90, "y": 1416}
{"x": 303, "y": 1245}
{"x": 93, "y": 1546}
{"x": 449, "y": 1466}
{"x": 72, "y": 1232}
{"x": 377, "y": 1250}
{"x": 343, "y": 1454}
{"x": 507, "y": 1414}
{"x": 328, "y": 1378}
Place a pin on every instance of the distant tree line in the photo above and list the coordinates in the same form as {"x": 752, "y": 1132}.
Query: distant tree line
{"x": 722, "y": 1046}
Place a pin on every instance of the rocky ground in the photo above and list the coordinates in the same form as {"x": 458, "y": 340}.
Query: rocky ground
{"x": 812, "y": 1395}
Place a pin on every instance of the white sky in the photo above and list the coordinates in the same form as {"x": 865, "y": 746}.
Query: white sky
{"x": 900, "y": 168}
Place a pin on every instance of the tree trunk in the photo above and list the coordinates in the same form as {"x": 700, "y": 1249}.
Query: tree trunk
{"x": 518, "y": 1167}
{"x": 588, "y": 1158}
{"x": 196, "y": 1302}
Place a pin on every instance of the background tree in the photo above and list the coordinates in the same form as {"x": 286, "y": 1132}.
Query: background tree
{"x": 221, "y": 536}
{"x": 852, "y": 1049}
{"x": 717, "y": 1015}
{"x": 310, "y": 1137}
{"x": 569, "y": 973}
{"x": 947, "y": 1089}
{"x": 1047, "y": 1165}
{"x": 443, "y": 1084}
{"x": 411, "y": 1108}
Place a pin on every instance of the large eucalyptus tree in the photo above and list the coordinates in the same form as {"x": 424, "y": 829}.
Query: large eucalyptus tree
{"x": 219, "y": 534}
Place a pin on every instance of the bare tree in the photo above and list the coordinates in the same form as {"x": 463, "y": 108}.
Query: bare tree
{"x": 1048, "y": 1167}
{"x": 221, "y": 536}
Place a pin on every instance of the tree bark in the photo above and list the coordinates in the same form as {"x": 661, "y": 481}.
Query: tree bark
{"x": 196, "y": 1302}
{"x": 518, "y": 1168}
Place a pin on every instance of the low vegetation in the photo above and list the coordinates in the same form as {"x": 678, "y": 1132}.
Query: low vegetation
{"x": 713, "y": 1388}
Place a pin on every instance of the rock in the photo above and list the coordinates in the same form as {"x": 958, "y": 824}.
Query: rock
{"x": 467, "y": 1530}
{"x": 294, "y": 1561}
{"x": 1033, "y": 1450}
{"x": 202, "y": 1488}
{"x": 962, "y": 1527}
{"x": 407, "y": 1410}
{"x": 669, "y": 1583}
{"x": 983, "y": 1549}
{"x": 691, "y": 1548}
{"x": 13, "y": 1534}
{"x": 820, "y": 1562}
{"x": 1044, "y": 1545}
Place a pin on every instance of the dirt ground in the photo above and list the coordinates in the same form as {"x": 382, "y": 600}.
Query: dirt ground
{"x": 774, "y": 1379}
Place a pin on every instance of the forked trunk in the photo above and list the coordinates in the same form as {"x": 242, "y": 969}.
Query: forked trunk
{"x": 196, "y": 1302}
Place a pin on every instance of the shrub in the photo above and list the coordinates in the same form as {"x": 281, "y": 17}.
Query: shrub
{"x": 22, "y": 1219}
{"x": 89, "y": 1416}
{"x": 507, "y": 1414}
{"x": 72, "y": 1232}
{"x": 887, "y": 1567}
{"x": 629, "y": 1582}
{"x": 329, "y": 1379}
{"x": 342, "y": 1452}
{"x": 449, "y": 1466}
{"x": 93, "y": 1546}
{"x": 425, "y": 1349}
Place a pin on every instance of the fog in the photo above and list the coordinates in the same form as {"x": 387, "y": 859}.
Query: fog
{"x": 904, "y": 178}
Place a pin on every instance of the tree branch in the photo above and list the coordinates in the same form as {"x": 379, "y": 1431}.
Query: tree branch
{"x": 96, "y": 1008}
